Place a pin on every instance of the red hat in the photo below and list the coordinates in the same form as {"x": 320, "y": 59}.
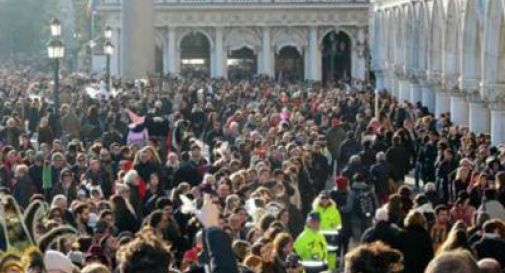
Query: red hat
{"x": 342, "y": 182}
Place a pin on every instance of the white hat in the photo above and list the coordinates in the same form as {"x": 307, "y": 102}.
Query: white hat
{"x": 55, "y": 261}
{"x": 382, "y": 214}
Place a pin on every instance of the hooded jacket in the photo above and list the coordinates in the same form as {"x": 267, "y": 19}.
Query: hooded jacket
{"x": 311, "y": 245}
{"x": 330, "y": 216}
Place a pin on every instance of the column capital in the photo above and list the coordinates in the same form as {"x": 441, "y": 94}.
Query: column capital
{"x": 434, "y": 77}
{"x": 494, "y": 94}
{"x": 474, "y": 97}
{"x": 469, "y": 85}
{"x": 450, "y": 83}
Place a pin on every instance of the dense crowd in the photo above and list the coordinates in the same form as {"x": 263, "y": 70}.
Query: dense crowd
{"x": 207, "y": 175}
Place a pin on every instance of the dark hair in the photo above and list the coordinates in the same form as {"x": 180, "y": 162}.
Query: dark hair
{"x": 155, "y": 218}
{"x": 492, "y": 225}
{"x": 441, "y": 208}
{"x": 80, "y": 208}
{"x": 163, "y": 202}
{"x": 145, "y": 254}
{"x": 490, "y": 194}
{"x": 119, "y": 207}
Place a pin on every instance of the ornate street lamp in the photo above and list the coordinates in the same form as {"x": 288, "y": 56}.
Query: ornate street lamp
{"x": 56, "y": 52}
{"x": 108, "y": 32}
{"x": 109, "y": 50}
{"x": 55, "y": 28}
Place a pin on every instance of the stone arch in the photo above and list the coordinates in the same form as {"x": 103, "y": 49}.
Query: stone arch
{"x": 289, "y": 37}
{"x": 451, "y": 42}
{"x": 471, "y": 46}
{"x": 437, "y": 26}
{"x": 240, "y": 38}
{"x": 337, "y": 30}
{"x": 194, "y": 31}
{"x": 494, "y": 41}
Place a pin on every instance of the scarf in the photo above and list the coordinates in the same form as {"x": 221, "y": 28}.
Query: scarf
{"x": 47, "y": 177}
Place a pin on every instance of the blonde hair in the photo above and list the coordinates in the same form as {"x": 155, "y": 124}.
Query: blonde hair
{"x": 415, "y": 218}
{"x": 95, "y": 268}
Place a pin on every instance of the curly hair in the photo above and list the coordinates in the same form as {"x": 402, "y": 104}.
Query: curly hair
{"x": 145, "y": 254}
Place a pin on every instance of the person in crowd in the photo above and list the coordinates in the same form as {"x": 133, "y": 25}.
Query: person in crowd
{"x": 364, "y": 204}
{"x": 415, "y": 243}
{"x": 489, "y": 265}
{"x": 372, "y": 258}
{"x": 311, "y": 245}
{"x": 492, "y": 206}
{"x": 456, "y": 239}
{"x": 397, "y": 156}
{"x": 380, "y": 174}
{"x": 440, "y": 229}
{"x": 444, "y": 169}
{"x": 462, "y": 209}
{"x": 213, "y": 163}
{"x": 492, "y": 243}
{"x": 382, "y": 230}
{"x": 342, "y": 198}
{"x": 458, "y": 261}
{"x": 23, "y": 187}
{"x": 328, "y": 212}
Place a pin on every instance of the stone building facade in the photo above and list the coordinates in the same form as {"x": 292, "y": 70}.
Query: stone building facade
{"x": 263, "y": 30}
{"x": 448, "y": 54}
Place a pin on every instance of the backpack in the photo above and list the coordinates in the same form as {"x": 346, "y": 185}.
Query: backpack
{"x": 363, "y": 203}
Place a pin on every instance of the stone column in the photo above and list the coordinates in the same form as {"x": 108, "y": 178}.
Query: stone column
{"x": 395, "y": 86}
{"x": 442, "y": 103}
{"x": 494, "y": 93}
{"x": 428, "y": 96}
{"x": 497, "y": 124}
{"x": 218, "y": 69}
{"x": 478, "y": 114}
{"x": 459, "y": 109}
{"x": 416, "y": 91}
{"x": 114, "y": 60}
{"x": 137, "y": 39}
{"x": 267, "y": 55}
{"x": 380, "y": 81}
{"x": 170, "y": 58}
{"x": 315, "y": 66}
{"x": 404, "y": 90}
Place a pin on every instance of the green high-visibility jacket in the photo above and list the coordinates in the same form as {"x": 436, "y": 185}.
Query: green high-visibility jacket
{"x": 311, "y": 246}
{"x": 330, "y": 216}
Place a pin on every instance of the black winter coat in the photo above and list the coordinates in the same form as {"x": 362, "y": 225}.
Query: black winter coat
{"x": 382, "y": 231}
{"x": 417, "y": 249}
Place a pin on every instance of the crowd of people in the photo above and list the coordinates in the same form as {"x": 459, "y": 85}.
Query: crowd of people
{"x": 207, "y": 175}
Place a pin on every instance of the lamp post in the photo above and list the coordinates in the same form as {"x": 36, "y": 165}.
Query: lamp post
{"x": 108, "y": 50}
{"x": 56, "y": 52}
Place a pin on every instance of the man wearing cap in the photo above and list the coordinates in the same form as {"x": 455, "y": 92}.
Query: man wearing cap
{"x": 311, "y": 244}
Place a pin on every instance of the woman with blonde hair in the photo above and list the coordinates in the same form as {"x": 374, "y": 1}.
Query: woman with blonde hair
{"x": 95, "y": 268}
{"x": 456, "y": 239}
{"x": 416, "y": 243}
{"x": 147, "y": 162}
{"x": 282, "y": 247}
{"x": 462, "y": 180}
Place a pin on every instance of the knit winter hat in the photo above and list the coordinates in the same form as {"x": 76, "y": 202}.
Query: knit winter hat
{"x": 342, "y": 182}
